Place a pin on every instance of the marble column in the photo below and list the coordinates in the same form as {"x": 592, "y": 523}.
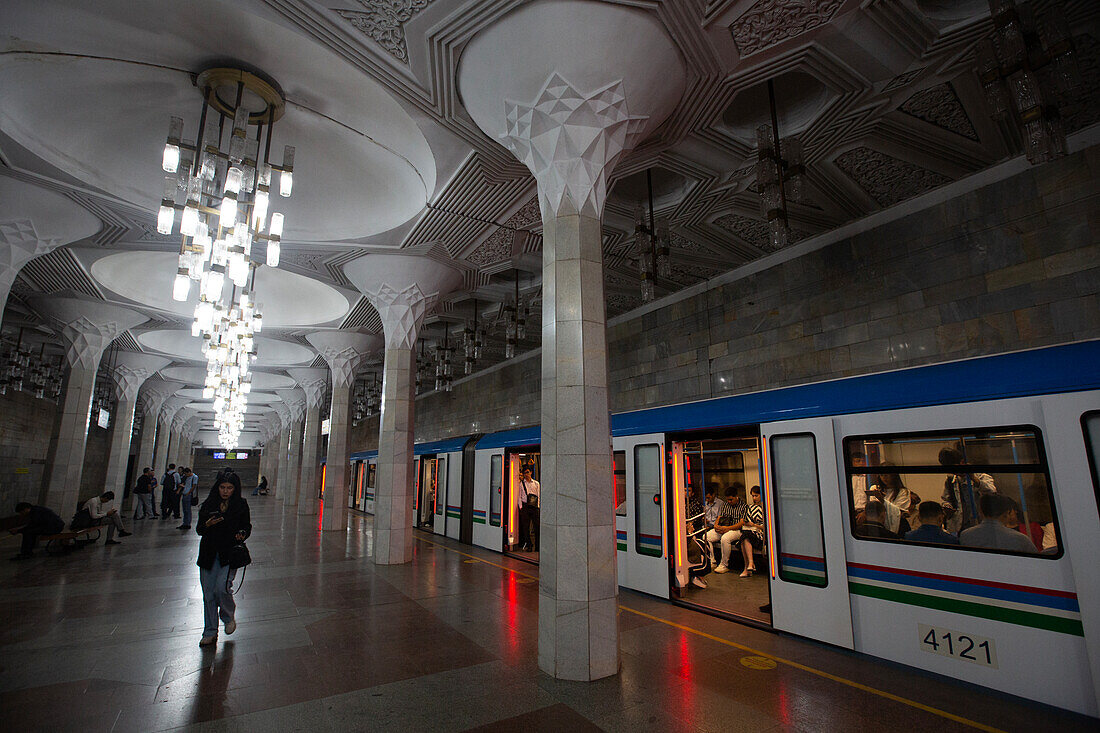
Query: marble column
{"x": 295, "y": 401}
{"x": 130, "y": 372}
{"x": 153, "y": 396}
{"x": 569, "y": 122}
{"x": 87, "y": 327}
{"x": 166, "y": 436}
{"x": 344, "y": 351}
{"x": 312, "y": 381}
{"x": 402, "y": 288}
{"x": 278, "y": 486}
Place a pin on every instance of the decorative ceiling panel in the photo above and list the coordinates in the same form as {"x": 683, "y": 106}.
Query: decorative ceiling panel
{"x": 886, "y": 179}
{"x": 940, "y": 106}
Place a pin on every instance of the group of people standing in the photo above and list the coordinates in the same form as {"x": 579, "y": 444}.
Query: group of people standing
{"x": 177, "y": 494}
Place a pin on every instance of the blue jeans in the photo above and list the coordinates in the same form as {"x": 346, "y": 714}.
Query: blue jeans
{"x": 217, "y": 602}
{"x": 185, "y": 500}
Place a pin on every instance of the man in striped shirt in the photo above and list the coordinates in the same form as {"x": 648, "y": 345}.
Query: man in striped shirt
{"x": 727, "y": 530}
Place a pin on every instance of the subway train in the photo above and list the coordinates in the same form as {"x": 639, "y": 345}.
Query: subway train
{"x": 843, "y": 468}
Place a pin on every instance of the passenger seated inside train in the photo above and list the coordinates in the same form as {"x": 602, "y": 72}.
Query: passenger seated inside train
{"x": 872, "y": 523}
{"x": 930, "y": 515}
{"x": 889, "y": 489}
{"x": 997, "y": 530}
{"x": 727, "y": 528}
{"x": 962, "y": 491}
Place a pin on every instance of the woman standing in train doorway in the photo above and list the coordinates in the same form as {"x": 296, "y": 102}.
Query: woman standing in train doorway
{"x": 224, "y": 521}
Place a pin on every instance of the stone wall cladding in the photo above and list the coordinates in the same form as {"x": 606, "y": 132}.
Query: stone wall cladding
{"x": 1013, "y": 265}
{"x": 25, "y": 430}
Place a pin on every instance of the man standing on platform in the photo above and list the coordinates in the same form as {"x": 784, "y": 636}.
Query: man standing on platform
{"x": 186, "y": 493}
{"x": 169, "y": 499}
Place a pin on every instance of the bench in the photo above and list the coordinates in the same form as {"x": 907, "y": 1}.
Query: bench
{"x": 62, "y": 542}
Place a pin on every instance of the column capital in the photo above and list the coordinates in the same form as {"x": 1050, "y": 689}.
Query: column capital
{"x": 403, "y": 288}
{"x": 131, "y": 370}
{"x": 87, "y": 326}
{"x": 295, "y": 401}
{"x": 312, "y": 380}
{"x": 154, "y": 394}
{"x": 344, "y": 351}
{"x": 171, "y": 407}
{"x": 570, "y": 140}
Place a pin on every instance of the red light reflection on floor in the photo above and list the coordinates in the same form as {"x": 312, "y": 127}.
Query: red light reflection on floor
{"x": 511, "y": 594}
{"x": 684, "y": 668}
{"x": 320, "y": 513}
{"x": 783, "y": 700}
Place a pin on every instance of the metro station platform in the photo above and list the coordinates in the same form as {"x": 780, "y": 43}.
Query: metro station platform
{"x": 106, "y": 639}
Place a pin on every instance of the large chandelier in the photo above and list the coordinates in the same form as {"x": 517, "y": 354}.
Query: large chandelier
{"x": 1024, "y": 68}
{"x": 221, "y": 187}
{"x": 779, "y": 175}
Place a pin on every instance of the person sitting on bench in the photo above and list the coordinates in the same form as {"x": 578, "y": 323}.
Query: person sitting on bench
{"x": 104, "y": 512}
{"x": 37, "y": 521}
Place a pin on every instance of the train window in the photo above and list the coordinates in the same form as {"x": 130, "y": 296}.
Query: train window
{"x": 647, "y": 500}
{"x": 719, "y": 463}
{"x": 975, "y": 489}
{"x": 372, "y": 468}
{"x": 1091, "y": 424}
{"x": 441, "y": 485}
{"x": 495, "y": 481}
{"x": 618, "y": 466}
{"x": 799, "y": 533}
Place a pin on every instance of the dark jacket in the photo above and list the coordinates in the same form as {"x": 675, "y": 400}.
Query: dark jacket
{"x": 218, "y": 538}
{"x": 144, "y": 484}
{"x": 43, "y": 520}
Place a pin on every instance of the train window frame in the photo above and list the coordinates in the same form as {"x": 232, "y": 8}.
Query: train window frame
{"x": 440, "y": 477}
{"x": 1040, "y": 467}
{"x": 618, "y": 469}
{"x": 777, "y": 521}
{"x": 498, "y": 459}
{"x": 638, "y": 548}
{"x": 1093, "y": 459}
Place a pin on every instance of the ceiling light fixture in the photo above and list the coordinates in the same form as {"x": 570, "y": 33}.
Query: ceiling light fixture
{"x": 651, "y": 242}
{"x": 780, "y": 175}
{"x": 222, "y": 189}
{"x": 1024, "y": 68}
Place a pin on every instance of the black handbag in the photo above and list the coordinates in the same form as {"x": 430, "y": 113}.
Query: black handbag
{"x": 238, "y": 556}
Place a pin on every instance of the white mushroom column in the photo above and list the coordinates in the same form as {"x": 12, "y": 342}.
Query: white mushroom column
{"x": 278, "y": 487}
{"x": 569, "y": 111}
{"x": 153, "y": 396}
{"x": 34, "y": 221}
{"x": 87, "y": 327}
{"x": 295, "y": 401}
{"x": 344, "y": 351}
{"x": 131, "y": 371}
{"x": 166, "y": 437}
{"x": 402, "y": 288}
{"x": 312, "y": 381}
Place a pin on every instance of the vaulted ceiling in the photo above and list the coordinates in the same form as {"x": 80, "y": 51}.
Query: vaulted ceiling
{"x": 882, "y": 93}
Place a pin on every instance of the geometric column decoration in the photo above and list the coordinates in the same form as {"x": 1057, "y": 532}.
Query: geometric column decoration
{"x": 344, "y": 351}
{"x": 34, "y": 221}
{"x": 278, "y": 458}
{"x": 312, "y": 380}
{"x": 295, "y": 401}
{"x": 403, "y": 288}
{"x": 131, "y": 371}
{"x": 167, "y": 440}
{"x": 569, "y": 122}
{"x": 87, "y": 328}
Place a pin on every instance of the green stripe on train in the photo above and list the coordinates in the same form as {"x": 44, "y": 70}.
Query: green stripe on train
{"x": 793, "y": 576}
{"x": 621, "y": 546}
{"x": 478, "y": 521}
{"x": 968, "y": 608}
{"x": 454, "y": 515}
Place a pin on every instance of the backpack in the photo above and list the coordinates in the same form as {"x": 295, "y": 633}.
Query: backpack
{"x": 168, "y": 482}
{"x": 81, "y": 520}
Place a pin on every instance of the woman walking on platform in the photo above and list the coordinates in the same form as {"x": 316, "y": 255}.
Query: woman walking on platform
{"x": 223, "y": 522}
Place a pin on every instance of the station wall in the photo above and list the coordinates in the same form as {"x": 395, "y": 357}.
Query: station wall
{"x": 1011, "y": 265}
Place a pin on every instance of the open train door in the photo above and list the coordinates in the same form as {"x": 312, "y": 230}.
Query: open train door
{"x": 809, "y": 580}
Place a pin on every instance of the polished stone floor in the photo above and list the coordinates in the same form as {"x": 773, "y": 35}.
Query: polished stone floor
{"x": 105, "y": 639}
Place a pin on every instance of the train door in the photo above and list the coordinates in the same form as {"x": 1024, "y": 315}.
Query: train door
{"x": 370, "y": 468}
{"x": 488, "y": 498}
{"x": 720, "y": 569}
{"x": 522, "y": 492}
{"x": 639, "y": 480}
{"x": 439, "y": 499}
{"x": 808, "y": 575}
{"x": 427, "y": 490}
{"x": 355, "y": 496}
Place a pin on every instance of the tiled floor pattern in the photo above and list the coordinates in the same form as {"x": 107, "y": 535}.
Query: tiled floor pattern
{"x": 105, "y": 639}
